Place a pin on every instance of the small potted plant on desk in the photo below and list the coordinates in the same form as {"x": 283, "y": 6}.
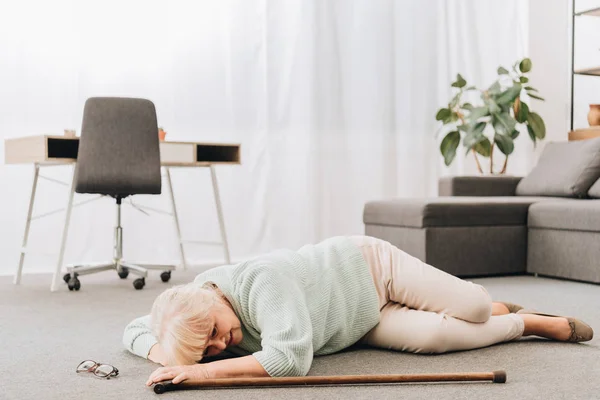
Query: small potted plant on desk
{"x": 161, "y": 133}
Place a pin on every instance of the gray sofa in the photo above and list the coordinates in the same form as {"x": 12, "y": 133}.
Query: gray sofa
{"x": 546, "y": 223}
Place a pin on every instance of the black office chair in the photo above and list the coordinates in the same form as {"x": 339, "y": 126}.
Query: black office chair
{"x": 118, "y": 156}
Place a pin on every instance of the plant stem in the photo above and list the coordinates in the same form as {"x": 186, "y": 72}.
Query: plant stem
{"x": 504, "y": 166}
{"x": 477, "y": 161}
{"x": 492, "y": 159}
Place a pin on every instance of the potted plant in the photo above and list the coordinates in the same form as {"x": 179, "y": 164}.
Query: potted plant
{"x": 161, "y": 134}
{"x": 494, "y": 120}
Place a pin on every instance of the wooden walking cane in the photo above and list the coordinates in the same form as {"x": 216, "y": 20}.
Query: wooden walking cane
{"x": 495, "y": 377}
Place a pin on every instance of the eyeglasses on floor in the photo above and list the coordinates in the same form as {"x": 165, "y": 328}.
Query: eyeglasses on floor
{"x": 100, "y": 370}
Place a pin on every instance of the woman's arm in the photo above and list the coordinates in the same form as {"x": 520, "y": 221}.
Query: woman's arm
{"x": 138, "y": 338}
{"x": 275, "y": 306}
{"x": 246, "y": 366}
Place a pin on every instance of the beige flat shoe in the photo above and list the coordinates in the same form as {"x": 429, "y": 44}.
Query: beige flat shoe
{"x": 513, "y": 308}
{"x": 580, "y": 331}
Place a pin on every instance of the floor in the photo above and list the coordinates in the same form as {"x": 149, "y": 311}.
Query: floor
{"x": 45, "y": 335}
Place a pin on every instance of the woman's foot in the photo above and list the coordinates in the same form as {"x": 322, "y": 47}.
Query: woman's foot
{"x": 564, "y": 329}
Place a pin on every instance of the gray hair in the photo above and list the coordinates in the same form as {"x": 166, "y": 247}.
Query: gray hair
{"x": 181, "y": 321}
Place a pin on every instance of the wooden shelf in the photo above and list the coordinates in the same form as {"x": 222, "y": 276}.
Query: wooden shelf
{"x": 585, "y": 133}
{"x": 588, "y": 71}
{"x": 593, "y": 12}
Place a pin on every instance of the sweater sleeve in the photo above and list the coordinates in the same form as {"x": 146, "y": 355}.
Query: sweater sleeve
{"x": 277, "y": 309}
{"x": 138, "y": 338}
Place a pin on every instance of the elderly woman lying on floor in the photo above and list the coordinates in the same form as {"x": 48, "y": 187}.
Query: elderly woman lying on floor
{"x": 286, "y": 307}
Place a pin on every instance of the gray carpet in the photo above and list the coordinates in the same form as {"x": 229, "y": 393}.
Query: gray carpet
{"x": 45, "y": 335}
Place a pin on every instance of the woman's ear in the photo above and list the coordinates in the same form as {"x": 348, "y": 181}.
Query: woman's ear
{"x": 210, "y": 285}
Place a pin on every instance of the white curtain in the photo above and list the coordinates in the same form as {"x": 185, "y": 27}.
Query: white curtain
{"x": 333, "y": 102}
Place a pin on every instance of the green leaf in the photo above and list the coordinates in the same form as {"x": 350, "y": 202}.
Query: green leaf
{"x": 460, "y": 82}
{"x": 530, "y": 88}
{"x": 478, "y": 112}
{"x": 495, "y": 88}
{"x": 502, "y": 71}
{"x": 535, "y": 96}
{"x": 532, "y": 135}
{"x": 503, "y": 123}
{"x": 464, "y": 127}
{"x": 505, "y": 108}
{"x": 514, "y": 134}
{"x": 505, "y": 143}
{"x": 467, "y": 106}
{"x": 523, "y": 79}
{"x": 449, "y": 145}
{"x": 471, "y": 88}
{"x": 475, "y": 135}
{"x": 442, "y": 114}
{"x": 471, "y": 140}
{"x": 479, "y": 128}
{"x": 453, "y": 117}
{"x": 492, "y": 106}
{"x": 525, "y": 65}
{"x": 484, "y": 147}
{"x": 537, "y": 125}
{"x": 509, "y": 95}
{"x": 523, "y": 112}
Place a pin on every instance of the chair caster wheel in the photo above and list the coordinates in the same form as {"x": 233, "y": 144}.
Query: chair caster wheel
{"x": 74, "y": 283}
{"x": 124, "y": 273}
{"x": 67, "y": 277}
{"x": 139, "y": 283}
{"x": 165, "y": 276}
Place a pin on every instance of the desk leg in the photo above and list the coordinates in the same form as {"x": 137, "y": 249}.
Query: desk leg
{"x": 56, "y": 277}
{"x": 17, "y": 279}
{"x": 220, "y": 213}
{"x": 176, "y": 219}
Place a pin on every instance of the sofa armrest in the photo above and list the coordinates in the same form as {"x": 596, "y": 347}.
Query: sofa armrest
{"x": 478, "y": 185}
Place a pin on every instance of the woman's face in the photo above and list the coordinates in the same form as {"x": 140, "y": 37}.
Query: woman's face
{"x": 226, "y": 330}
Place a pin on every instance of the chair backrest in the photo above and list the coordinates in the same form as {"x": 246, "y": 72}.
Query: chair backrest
{"x": 119, "y": 151}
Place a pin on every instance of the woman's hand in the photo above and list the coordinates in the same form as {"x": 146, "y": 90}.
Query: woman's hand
{"x": 191, "y": 374}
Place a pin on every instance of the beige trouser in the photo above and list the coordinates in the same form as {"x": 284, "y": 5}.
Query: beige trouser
{"x": 425, "y": 310}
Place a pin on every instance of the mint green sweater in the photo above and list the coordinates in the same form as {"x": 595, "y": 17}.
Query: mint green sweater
{"x": 292, "y": 305}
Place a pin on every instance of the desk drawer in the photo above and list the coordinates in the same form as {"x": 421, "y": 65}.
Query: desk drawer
{"x": 177, "y": 153}
{"x": 43, "y": 149}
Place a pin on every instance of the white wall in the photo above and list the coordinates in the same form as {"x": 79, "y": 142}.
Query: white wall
{"x": 334, "y": 103}
{"x": 549, "y": 49}
{"x": 68, "y": 50}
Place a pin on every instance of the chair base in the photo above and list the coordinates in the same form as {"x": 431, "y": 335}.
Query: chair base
{"x": 123, "y": 269}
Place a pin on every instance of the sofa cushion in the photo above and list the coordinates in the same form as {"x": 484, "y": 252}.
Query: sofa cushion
{"x": 451, "y": 211}
{"x": 594, "y": 191}
{"x": 565, "y": 169}
{"x": 578, "y": 215}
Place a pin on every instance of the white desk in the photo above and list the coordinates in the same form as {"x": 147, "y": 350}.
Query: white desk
{"x": 50, "y": 150}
